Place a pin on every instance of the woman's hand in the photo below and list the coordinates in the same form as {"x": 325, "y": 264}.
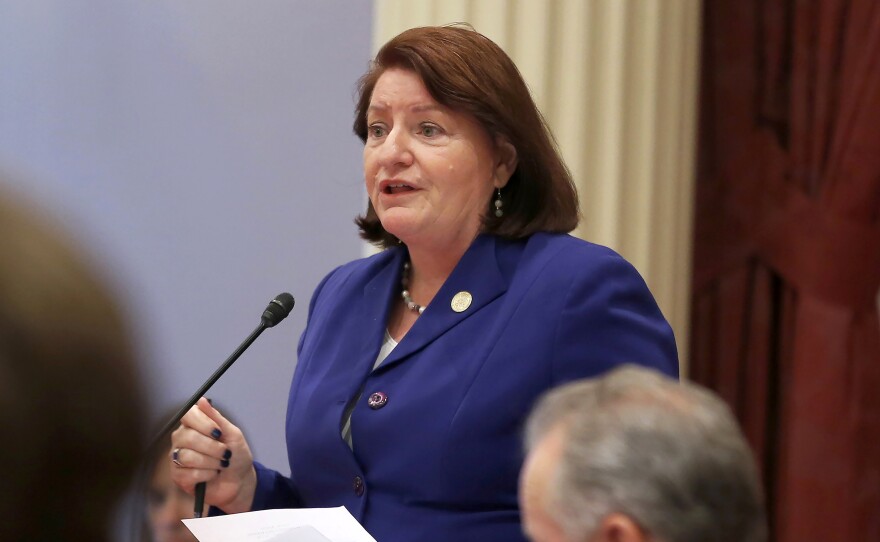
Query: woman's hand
{"x": 208, "y": 448}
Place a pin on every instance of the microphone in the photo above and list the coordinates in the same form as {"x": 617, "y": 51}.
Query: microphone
{"x": 275, "y": 312}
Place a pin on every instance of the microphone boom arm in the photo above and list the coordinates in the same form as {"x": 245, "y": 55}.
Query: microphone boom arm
{"x": 172, "y": 423}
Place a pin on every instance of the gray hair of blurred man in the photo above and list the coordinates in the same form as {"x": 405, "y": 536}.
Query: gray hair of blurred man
{"x": 669, "y": 455}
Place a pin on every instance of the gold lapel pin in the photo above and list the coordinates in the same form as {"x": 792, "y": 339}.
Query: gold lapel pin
{"x": 461, "y": 301}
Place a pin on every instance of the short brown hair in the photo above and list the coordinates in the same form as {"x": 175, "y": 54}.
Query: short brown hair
{"x": 70, "y": 401}
{"x": 469, "y": 73}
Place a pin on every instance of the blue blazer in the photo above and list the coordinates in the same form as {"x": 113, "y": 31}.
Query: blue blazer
{"x": 440, "y": 459}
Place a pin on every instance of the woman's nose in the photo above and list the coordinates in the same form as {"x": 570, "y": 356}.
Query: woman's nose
{"x": 396, "y": 149}
{"x": 167, "y": 513}
{"x": 183, "y": 506}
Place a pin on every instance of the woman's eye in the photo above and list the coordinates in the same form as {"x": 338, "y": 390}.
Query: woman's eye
{"x": 376, "y": 131}
{"x": 156, "y": 497}
{"x": 429, "y": 130}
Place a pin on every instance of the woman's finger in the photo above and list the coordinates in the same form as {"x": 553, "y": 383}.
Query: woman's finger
{"x": 197, "y": 419}
{"x": 186, "y": 479}
{"x": 186, "y": 438}
{"x": 185, "y": 458}
{"x": 221, "y": 423}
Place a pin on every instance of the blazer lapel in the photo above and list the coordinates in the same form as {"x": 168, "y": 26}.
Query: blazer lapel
{"x": 478, "y": 274}
{"x": 374, "y": 309}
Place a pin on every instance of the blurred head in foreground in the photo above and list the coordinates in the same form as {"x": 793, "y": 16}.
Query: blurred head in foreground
{"x": 635, "y": 456}
{"x": 70, "y": 403}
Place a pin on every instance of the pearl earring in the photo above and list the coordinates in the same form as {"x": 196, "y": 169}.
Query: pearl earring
{"x": 498, "y": 204}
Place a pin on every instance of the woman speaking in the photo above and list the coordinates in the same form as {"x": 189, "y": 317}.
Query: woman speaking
{"x": 418, "y": 365}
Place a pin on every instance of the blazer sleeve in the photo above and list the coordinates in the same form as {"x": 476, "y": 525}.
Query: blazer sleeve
{"x": 610, "y": 318}
{"x": 274, "y": 490}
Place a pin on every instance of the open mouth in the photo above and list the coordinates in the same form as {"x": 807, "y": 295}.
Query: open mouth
{"x": 397, "y": 188}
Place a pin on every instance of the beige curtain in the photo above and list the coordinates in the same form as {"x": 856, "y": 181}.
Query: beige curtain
{"x": 617, "y": 82}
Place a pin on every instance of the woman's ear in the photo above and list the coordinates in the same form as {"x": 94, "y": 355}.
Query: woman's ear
{"x": 617, "y": 527}
{"x": 505, "y": 161}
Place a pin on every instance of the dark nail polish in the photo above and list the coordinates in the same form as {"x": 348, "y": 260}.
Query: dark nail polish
{"x": 227, "y": 454}
{"x": 224, "y": 463}
{"x": 216, "y": 433}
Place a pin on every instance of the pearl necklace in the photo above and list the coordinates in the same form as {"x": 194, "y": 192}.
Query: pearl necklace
{"x": 404, "y": 281}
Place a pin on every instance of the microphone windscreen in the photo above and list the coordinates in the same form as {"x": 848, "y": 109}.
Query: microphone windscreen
{"x": 278, "y": 309}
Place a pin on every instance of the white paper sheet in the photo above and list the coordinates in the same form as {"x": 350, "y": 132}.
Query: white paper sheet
{"x": 288, "y": 525}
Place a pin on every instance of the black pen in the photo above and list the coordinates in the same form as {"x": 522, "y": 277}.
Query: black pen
{"x": 200, "y": 499}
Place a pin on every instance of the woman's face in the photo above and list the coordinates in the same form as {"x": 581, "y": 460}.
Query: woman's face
{"x": 429, "y": 171}
{"x": 167, "y": 505}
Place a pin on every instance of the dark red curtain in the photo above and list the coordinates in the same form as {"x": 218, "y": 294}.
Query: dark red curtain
{"x": 787, "y": 252}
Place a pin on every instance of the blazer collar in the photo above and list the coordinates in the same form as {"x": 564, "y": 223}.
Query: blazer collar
{"x": 477, "y": 273}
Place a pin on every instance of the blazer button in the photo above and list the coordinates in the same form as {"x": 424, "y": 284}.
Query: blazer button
{"x": 377, "y": 400}
{"x": 358, "y": 486}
